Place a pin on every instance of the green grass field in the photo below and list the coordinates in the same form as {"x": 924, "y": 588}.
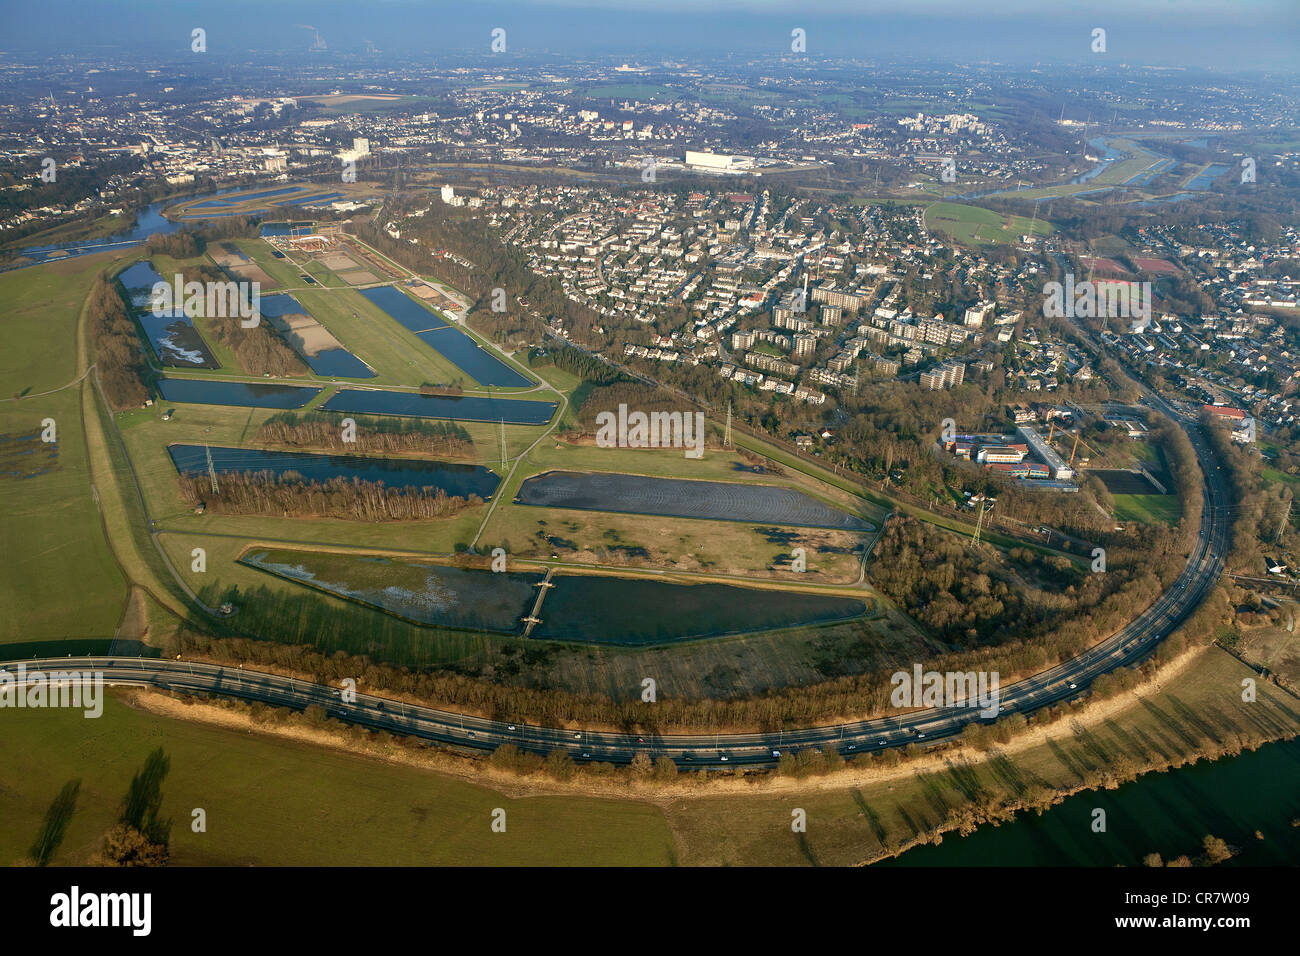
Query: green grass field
{"x": 278, "y": 802}
{"x": 396, "y": 354}
{"x": 61, "y": 580}
{"x": 1272, "y": 474}
{"x": 40, "y": 305}
{"x": 1152, "y": 509}
{"x": 976, "y": 226}
{"x": 284, "y": 273}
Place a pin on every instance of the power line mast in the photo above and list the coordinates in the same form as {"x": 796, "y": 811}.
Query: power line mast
{"x": 503, "y": 448}
{"x": 1033, "y": 221}
{"x": 726, "y": 435}
{"x": 212, "y": 471}
{"x": 975, "y": 541}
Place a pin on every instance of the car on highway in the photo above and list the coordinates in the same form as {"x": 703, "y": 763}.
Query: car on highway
{"x": 776, "y": 753}
{"x": 577, "y": 736}
{"x": 511, "y": 727}
{"x": 723, "y": 757}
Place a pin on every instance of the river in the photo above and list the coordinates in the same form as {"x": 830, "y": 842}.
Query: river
{"x": 1166, "y": 813}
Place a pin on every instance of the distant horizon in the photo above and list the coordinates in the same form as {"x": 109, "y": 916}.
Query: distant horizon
{"x": 1244, "y": 36}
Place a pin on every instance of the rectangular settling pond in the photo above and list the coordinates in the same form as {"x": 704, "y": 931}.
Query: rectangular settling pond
{"x": 311, "y": 340}
{"x": 171, "y": 332}
{"x": 464, "y": 408}
{"x": 449, "y": 341}
{"x": 579, "y": 608}
{"x": 680, "y": 498}
{"x": 242, "y": 394}
{"x": 635, "y": 612}
{"x": 425, "y": 593}
{"x": 454, "y": 479}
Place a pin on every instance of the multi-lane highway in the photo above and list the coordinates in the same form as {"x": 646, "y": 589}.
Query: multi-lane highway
{"x": 1062, "y": 682}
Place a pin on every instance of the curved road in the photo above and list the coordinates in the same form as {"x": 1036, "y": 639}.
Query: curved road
{"x": 1062, "y": 682}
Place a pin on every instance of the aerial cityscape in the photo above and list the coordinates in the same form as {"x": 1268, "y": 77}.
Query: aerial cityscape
{"x": 596, "y": 434}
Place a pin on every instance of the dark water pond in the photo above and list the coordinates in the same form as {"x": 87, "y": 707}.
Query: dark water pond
{"x": 171, "y": 332}
{"x": 680, "y": 498}
{"x": 449, "y": 341}
{"x": 454, "y": 479}
{"x": 467, "y": 408}
{"x": 240, "y": 394}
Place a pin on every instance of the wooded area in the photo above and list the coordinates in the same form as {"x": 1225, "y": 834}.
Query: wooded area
{"x": 319, "y": 430}
{"x": 288, "y": 495}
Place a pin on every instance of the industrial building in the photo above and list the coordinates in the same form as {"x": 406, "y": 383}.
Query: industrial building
{"x": 1044, "y": 452}
{"x": 716, "y": 162}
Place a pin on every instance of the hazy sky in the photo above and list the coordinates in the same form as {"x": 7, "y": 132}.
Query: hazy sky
{"x": 1225, "y": 34}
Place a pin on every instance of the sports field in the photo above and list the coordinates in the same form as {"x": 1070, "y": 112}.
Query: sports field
{"x": 976, "y": 226}
{"x": 1152, "y": 509}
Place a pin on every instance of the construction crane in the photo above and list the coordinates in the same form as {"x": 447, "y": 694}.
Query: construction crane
{"x": 1078, "y": 438}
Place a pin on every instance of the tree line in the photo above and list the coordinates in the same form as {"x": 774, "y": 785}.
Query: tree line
{"x": 289, "y": 495}
{"x": 1264, "y": 512}
{"x": 259, "y": 348}
{"x": 119, "y": 356}
{"x": 318, "y": 430}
